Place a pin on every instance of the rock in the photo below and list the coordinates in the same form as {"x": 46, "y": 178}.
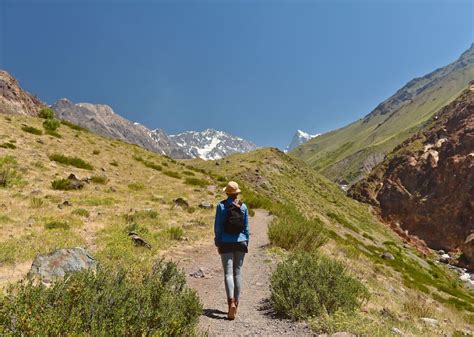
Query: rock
{"x": 387, "y": 256}
{"x": 181, "y": 203}
{"x": 397, "y": 331}
{"x": 138, "y": 240}
{"x": 36, "y": 192}
{"x": 465, "y": 277}
{"x": 66, "y": 203}
{"x": 201, "y": 273}
{"x": 441, "y": 252}
{"x": 103, "y": 169}
{"x": 468, "y": 250}
{"x": 205, "y": 205}
{"x": 87, "y": 180}
{"x": 40, "y": 141}
{"x": 75, "y": 182}
{"x": 444, "y": 258}
{"x": 47, "y": 267}
{"x": 430, "y": 321}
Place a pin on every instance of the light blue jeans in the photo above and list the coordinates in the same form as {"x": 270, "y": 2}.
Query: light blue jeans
{"x": 232, "y": 264}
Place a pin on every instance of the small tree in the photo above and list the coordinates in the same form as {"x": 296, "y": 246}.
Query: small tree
{"x": 51, "y": 124}
{"x": 46, "y": 113}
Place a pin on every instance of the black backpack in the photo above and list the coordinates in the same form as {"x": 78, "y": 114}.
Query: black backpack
{"x": 234, "y": 219}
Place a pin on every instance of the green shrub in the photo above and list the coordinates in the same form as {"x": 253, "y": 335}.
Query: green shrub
{"x": 8, "y": 146}
{"x": 56, "y": 224}
{"x": 51, "y": 124}
{"x": 188, "y": 173}
{"x": 152, "y": 165}
{"x": 99, "y": 179}
{"x": 140, "y": 215}
{"x": 73, "y": 126}
{"x": 172, "y": 174}
{"x": 306, "y": 285}
{"x": 53, "y": 133}
{"x": 32, "y": 130}
{"x": 291, "y": 230}
{"x": 114, "y": 163}
{"x": 136, "y": 186}
{"x": 175, "y": 233}
{"x": 72, "y": 161}
{"x": 46, "y": 113}
{"x": 9, "y": 176}
{"x": 62, "y": 185}
{"x": 36, "y": 202}
{"x": 196, "y": 182}
{"x": 81, "y": 212}
{"x": 103, "y": 303}
{"x": 96, "y": 152}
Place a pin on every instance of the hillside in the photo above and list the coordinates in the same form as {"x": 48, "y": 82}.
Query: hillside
{"x": 129, "y": 188}
{"x": 14, "y": 100}
{"x": 425, "y": 184}
{"x": 411, "y": 285}
{"x": 349, "y": 153}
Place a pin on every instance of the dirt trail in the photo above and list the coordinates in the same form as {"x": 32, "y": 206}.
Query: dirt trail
{"x": 254, "y": 317}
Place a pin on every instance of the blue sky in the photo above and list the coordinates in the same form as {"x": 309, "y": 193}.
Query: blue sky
{"x": 257, "y": 69}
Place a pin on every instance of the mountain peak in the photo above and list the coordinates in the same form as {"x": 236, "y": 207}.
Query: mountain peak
{"x": 299, "y": 138}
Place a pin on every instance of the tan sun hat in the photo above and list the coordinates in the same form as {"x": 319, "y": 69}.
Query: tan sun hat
{"x": 232, "y": 188}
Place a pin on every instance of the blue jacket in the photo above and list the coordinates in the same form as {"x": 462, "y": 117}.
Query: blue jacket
{"x": 219, "y": 235}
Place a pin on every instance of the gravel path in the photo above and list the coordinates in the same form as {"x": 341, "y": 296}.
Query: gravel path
{"x": 254, "y": 317}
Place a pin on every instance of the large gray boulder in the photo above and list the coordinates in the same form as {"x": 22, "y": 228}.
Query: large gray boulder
{"x": 47, "y": 267}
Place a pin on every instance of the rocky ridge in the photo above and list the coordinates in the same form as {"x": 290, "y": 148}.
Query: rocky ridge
{"x": 426, "y": 184}
{"x": 15, "y": 100}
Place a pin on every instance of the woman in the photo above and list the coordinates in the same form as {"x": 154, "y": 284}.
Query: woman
{"x": 231, "y": 229}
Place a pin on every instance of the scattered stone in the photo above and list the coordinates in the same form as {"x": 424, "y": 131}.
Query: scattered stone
{"x": 66, "y": 203}
{"x": 465, "y": 277}
{"x": 444, "y": 258}
{"x": 441, "y": 252}
{"x": 103, "y": 169}
{"x": 138, "y": 240}
{"x": 430, "y": 321}
{"x": 40, "y": 141}
{"x": 205, "y": 205}
{"x": 75, "y": 182}
{"x": 31, "y": 222}
{"x": 217, "y": 163}
{"x": 36, "y": 191}
{"x": 112, "y": 189}
{"x": 397, "y": 331}
{"x": 387, "y": 256}
{"x": 181, "y": 203}
{"x": 47, "y": 267}
{"x": 87, "y": 180}
{"x": 201, "y": 273}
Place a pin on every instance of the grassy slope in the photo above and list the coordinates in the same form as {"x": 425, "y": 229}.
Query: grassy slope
{"x": 340, "y": 154}
{"x": 134, "y": 197}
{"x": 406, "y": 288}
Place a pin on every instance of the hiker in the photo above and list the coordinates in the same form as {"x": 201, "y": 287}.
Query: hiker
{"x": 231, "y": 229}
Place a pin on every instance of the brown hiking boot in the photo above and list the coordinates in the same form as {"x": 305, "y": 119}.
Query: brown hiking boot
{"x": 232, "y": 309}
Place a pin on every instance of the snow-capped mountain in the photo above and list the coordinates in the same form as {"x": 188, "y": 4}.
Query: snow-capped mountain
{"x": 299, "y": 138}
{"x": 101, "y": 119}
{"x": 211, "y": 144}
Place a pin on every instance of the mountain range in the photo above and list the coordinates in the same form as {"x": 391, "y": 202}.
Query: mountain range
{"x": 349, "y": 153}
{"x": 102, "y": 120}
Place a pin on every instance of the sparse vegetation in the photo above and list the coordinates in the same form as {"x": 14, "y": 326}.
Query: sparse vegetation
{"x": 155, "y": 304}
{"x": 96, "y": 152}
{"x": 172, "y": 174}
{"x": 51, "y": 124}
{"x": 8, "y": 146}
{"x": 9, "y": 175}
{"x": 36, "y": 202}
{"x": 114, "y": 163}
{"x": 136, "y": 186}
{"x": 72, "y": 161}
{"x": 73, "y": 126}
{"x": 62, "y": 185}
{"x": 32, "y": 130}
{"x": 306, "y": 285}
{"x": 99, "y": 180}
{"x": 175, "y": 233}
{"x": 196, "y": 182}
{"x": 56, "y": 224}
{"x": 81, "y": 212}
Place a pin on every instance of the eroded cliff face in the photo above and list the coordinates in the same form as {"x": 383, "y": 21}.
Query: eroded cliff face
{"x": 14, "y": 100}
{"x": 426, "y": 183}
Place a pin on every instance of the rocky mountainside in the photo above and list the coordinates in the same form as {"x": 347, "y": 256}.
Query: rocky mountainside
{"x": 426, "y": 183}
{"x": 299, "y": 138}
{"x": 101, "y": 119}
{"x": 211, "y": 144}
{"x": 14, "y": 100}
{"x": 351, "y": 152}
